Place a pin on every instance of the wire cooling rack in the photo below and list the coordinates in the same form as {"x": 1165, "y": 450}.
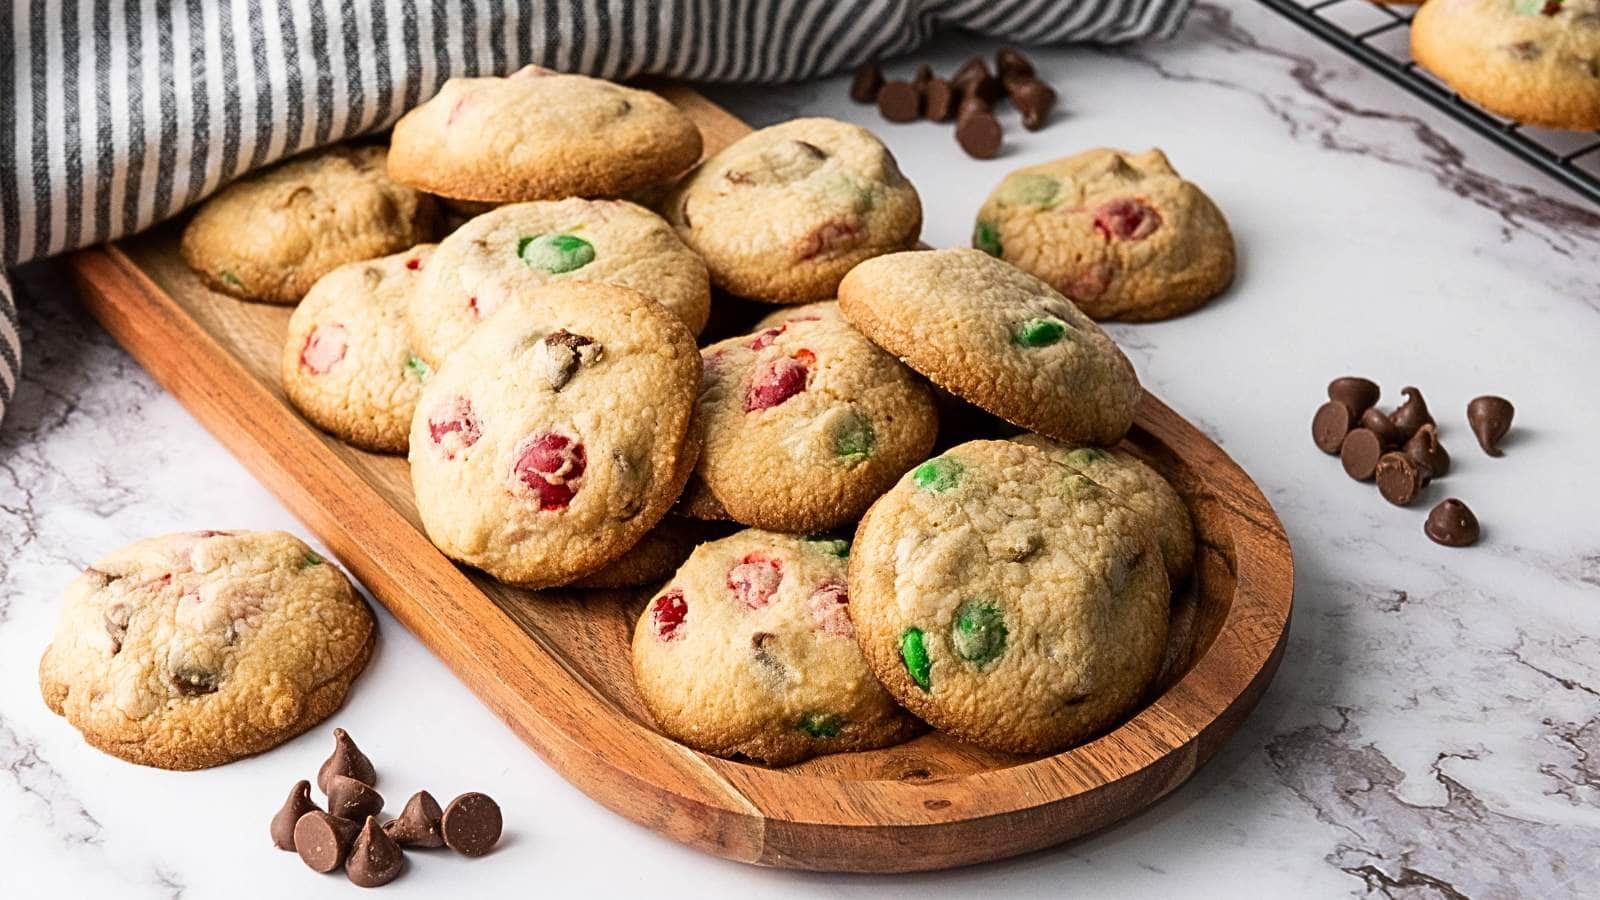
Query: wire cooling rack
{"x": 1378, "y": 36}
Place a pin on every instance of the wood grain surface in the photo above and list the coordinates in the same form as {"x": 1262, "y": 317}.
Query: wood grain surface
{"x": 555, "y": 665}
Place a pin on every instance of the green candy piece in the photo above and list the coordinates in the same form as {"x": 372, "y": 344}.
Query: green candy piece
{"x": 1040, "y": 332}
{"x": 979, "y": 632}
{"x": 309, "y": 560}
{"x": 821, "y": 725}
{"x": 1030, "y": 190}
{"x": 1078, "y": 482}
{"x": 915, "y": 655}
{"x": 937, "y": 475}
{"x": 230, "y": 278}
{"x": 830, "y": 545}
{"x": 417, "y": 367}
{"x": 1083, "y": 456}
{"x": 986, "y": 237}
{"x": 856, "y": 440}
{"x": 556, "y": 253}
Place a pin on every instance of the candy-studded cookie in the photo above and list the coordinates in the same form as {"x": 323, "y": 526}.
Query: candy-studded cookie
{"x": 1134, "y": 482}
{"x": 555, "y": 437}
{"x": 1122, "y": 235}
{"x": 749, "y": 650}
{"x": 1007, "y": 599}
{"x": 784, "y": 212}
{"x": 540, "y": 135}
{"x": 347, "y": 361}
{"x": 996, "y": 337}
{"x": 271, "y": 235}
{"x": 806, "y": 423}
{"x": 193, "y": 650}
{"x": 657, "y": 555}
{"x": 805, "y": 312}
{"x": 511, "y": 249}
{"x": 1535, "y": 61}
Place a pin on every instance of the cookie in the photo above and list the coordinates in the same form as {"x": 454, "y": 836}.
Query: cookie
{"x": 1534, "y": 61}
{"x": 555, "y": 437}
{"x": 822, "y": 309}
{"x": 657, "y": 555}
{"x": 806, "y": 423}
{"x": 783, "y": 213}
{"x": 513, "y": 248}
{"x": 1166, "y": 518}
{"x": 537, "y": 134}
{"x": 192, "y": 650}
{"x": 998, "y": 338}
{"x": 1007, "y": 599}
{"x": 271, "y": 235}
{"x": 1122, "y": 235}
{"x": 749, "y": 651}
{"x": 347, "y": 360}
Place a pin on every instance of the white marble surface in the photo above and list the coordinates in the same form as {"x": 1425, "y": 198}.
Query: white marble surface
{"x": 1434, "y": 730}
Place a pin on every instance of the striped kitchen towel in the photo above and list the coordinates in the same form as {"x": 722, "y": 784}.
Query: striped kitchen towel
{"x": 123, "y": 112}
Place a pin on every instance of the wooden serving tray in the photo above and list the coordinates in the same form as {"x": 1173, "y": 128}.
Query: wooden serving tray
{"x": 555, "y": 665}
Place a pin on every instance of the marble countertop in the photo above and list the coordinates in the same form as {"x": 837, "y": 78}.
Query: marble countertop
{"x": 1434, "y": 730}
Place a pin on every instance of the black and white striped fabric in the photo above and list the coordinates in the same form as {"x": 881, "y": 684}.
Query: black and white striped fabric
{"x": 123, "y": 112}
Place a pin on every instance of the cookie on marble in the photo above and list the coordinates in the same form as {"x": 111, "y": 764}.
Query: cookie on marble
{"x": 537, "y": 134}
{"x": 783, "y": 213}
{"x": 1135, "y": 483}
{"x": 806, "y": 423}
{"x": 805, "y": 312}
{"x": 557, "y": 435}
{"x": 520, "y": 246}
{"x": 998, "y": 338}
{"x": 1008, "y": 600}
{"x": 1122, "y": 235}
{"x": 1533, "y": 61}
{"x": 269, "y": 236}
{"x": 347, "y": 361}
{"x": 193, "y": 650}
{"x": 749, "y": 651}
{"x": 657, "y": 555}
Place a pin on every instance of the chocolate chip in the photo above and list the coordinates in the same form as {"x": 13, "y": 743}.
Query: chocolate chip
{"x": 1490, "y": 418}
{"x": 194, "y": 682}
{"x": 1012, "y": 63}
{"x": 1359, "y": 394}
{"x": 1381, "y": 425}
{"x": 375, "y": 859}
{"x": 923, "y": 76}
{"x": 900, "y": 101}
{"x": 417, "y": 824}
{"x": 812, "y": 150}
{"x": 1033, "y": 99}
{"x": 563, "y": 353}
{"x": 977, "y": 130}
{"x": 471, "y": 824}
{"x": 347, "y": 760}
{"x": 1412, "y": 414}
{"x": 1452, "y": 524}
{"x": 1400, "y": 479}
{"x": 973, "y": 80}
{"x": 116, "y": 616}
{"x": 1329, "y": 426}
{"x": 323, "y": 841}
{"x": 1426, "y": 451}
{"x": 1360, "y": 453}
{"x": 868, "y": 81}
{"x": 298, "y": 804}
{"x": 939, "y": 100}
{"x": 351, "y": 799}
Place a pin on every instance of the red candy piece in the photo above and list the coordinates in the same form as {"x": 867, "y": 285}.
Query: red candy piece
{"x": 830, "y": 611}
{"x": 414, "y": 263}
{"x": 828, "y": 236}
{"x": 765, "y": 338}
{"x": 755, "y": 580}
{"x": 1127, "y": 219}
{"x": 668, "y": 613}
{"x": 472, "y": 304}
{"x": 453, "y": 426}
{"x": 324, "y": 347}
{"x": 551, "y": 465}
{"x": 779, "y": 380}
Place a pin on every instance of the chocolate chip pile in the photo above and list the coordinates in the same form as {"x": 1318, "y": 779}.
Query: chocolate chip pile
{"x": 968, "y": 97}
{"x": 1400, "y": 450}
{"x": 347, "y": 834}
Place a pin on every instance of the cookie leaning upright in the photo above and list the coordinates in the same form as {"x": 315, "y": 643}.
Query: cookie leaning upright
{"x": 1123, "y": 235}
{"x": 1007, "y": 599}
{"x": 556, "y": 436}
{"x": 540, "y": 135}
{"x": 269, "y": 236}
{"x": 193, "y": 650}
{"x": 1534, "y": 61}
{"x": 783, "y": 213}
{"x": 998, "y": 338}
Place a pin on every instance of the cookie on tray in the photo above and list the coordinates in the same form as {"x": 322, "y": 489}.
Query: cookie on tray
{"x": 1008, "y": 600}
{"x": 555, "y": 437}
{"x": 783, "y": 213}
{"x": 806, "y": 423}
{"x": 998, "y": 338}
{"x": 805, "y": 312}
{"x": 1122, "y": 235}
{"x": 537, "y": 134}
{"x": 657, "y": 555}
{"x": 510, "y": 249}
{"x": 1534, "y": 61}
{"x": 347, "y": 360}
{"x": 749, "y": 651}
{"x": 193, "y": 650}
{"x": 269, "y": 236}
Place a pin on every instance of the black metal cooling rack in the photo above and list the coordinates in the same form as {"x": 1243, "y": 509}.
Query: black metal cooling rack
{"x": 1378, "y": 36}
